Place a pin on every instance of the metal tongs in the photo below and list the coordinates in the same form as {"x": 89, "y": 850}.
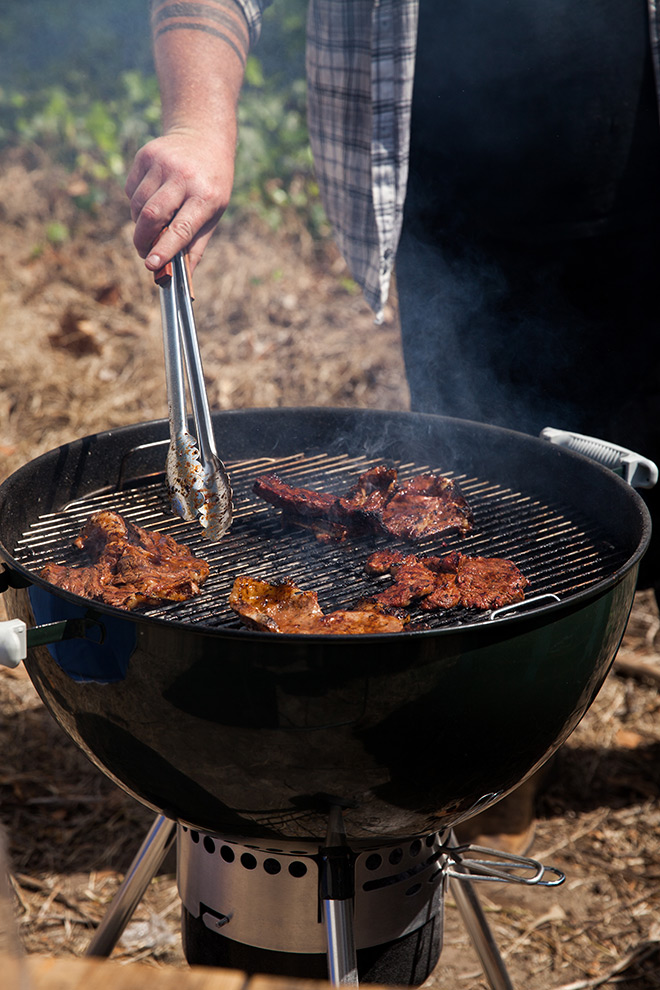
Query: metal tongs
{"x": 197, "y": 481}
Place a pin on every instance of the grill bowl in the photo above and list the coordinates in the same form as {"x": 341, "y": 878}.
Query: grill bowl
{"x": 251, "y": 734}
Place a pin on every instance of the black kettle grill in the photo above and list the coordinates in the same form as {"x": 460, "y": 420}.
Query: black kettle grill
{"x": 323, "y": 775}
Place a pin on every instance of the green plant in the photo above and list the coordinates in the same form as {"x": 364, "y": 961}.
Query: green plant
{"x": 91, "y": 113}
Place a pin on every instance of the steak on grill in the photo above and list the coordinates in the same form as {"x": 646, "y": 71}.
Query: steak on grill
{"x": 444, "y": 582}
{"x": 423, "y": 506}
{"x": 131, "y": 566}
{"x": 284, "y": 608}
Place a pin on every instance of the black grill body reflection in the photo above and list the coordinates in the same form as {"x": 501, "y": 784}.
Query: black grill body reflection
{"x": 236, "y": 732}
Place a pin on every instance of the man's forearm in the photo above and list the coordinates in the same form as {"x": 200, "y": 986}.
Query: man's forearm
{"x": 180, "y": 183}
{"x": 200, "y": 49}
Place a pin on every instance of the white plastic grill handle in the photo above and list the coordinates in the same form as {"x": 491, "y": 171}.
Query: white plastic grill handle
{"x": 638, "y": 471}
{"x": 13, "y": 642}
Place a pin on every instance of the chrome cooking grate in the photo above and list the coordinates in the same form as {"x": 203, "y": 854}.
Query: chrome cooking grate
{"x": 558, "y": 552}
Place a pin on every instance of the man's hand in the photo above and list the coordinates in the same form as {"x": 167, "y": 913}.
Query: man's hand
{"x": 184, "y": 179}
{"x": 181, "y": 181}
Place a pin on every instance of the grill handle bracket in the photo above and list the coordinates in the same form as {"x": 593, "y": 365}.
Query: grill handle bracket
{"x": 528, "y": 603}
{"x": 638, "y": 471}
{"x": 10, "y": 579}
{"x": 473, "y": 862}
{"x": 16, "y": 638}
{"x": 13, "y": 642}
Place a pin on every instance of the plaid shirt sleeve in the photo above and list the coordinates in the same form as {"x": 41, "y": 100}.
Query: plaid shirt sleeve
{"x": 253, "y": 11}
{"x": 360, "y": 68}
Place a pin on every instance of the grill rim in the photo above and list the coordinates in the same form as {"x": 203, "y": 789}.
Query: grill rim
{"x": 514, "y": 619}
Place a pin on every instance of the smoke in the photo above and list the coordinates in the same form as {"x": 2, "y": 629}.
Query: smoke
{"x": 475, "y": 345}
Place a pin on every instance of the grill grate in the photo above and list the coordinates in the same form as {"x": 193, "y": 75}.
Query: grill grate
{"x": 559, "y": 551}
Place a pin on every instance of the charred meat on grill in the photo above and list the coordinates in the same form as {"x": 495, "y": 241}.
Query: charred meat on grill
{"x": 489, "y": 582}
{"x": 423, "y": 506}
{"x": 302, "y": 507}
{"x": 88, "y": 582}
{"x": 284, "y": 608}
{"x": 131, "y": 566}
{"x": 304, "y": 501}
{"x": 445, "y": 582}
{"x": 369, "y": 496}
{"x": 412, "y": 581}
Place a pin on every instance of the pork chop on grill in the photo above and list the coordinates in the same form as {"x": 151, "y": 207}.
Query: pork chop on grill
{"x": 423, "y": 506}
{"x": 302, "y": 507}
{"x": 284, "y": 608}
{"x": 444, "y": 582}
{"x": 488, "y": 582}
{"x": 131, "y": 566}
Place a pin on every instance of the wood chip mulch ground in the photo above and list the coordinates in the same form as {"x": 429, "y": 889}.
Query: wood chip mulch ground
{"x": 280, "y": 325}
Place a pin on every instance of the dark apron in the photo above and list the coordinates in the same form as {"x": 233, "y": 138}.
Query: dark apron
{"x": 528, "y": 266}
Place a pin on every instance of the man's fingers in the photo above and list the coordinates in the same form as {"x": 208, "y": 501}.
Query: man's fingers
{"x": 181, "y": 232}
{"x": 198, "y": 246}
{"x": 181, "y": 185}
{"x": 144, "y": 180}
{"x": 158, "y": 211}
{"x": 134, "y": 177}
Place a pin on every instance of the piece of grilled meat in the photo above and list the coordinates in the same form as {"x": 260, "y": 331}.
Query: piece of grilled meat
{"x": 302, "y": 507}
{"x": 284, "y": 608}
{"x": 445, "y": 582}
{"x": 131, "y": 566}
{"x": 304, "y": 501}
{"x": 488, "y": 582}
{"x": 423, "y": 506}
{"x": 367, "y": 499}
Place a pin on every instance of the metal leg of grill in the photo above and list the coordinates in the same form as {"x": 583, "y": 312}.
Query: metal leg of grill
{"x": 480, "y": 934}
{"x": 342, "y": 960}
{"x": 142, "y": 870}
{"x": 338, "y": 891}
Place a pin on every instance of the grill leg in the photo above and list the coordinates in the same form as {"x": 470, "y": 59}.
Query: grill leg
{"x": 337, "y": 892}
{"x": 480, "y": 934}
{"x": 342, "y": 959}
{"x": 142, "y": 870}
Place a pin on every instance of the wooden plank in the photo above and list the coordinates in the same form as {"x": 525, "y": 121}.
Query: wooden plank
{"x": 70, "y": 973}
{"x": 286, "y": 983}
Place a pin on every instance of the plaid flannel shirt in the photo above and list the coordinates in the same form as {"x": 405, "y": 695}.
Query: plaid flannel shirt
{"x": 360, "y": 70}
{"x": 360, "y": 67}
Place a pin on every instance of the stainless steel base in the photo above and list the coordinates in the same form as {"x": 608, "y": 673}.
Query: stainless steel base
{"x": 410, "y": 868}
{"x": 269, "y": 898}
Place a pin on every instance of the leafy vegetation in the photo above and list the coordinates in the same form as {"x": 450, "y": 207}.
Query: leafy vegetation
{"x": 77, "y": 80}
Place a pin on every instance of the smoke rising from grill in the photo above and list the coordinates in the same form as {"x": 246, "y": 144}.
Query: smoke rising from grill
{"x": 457, "y": 360}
